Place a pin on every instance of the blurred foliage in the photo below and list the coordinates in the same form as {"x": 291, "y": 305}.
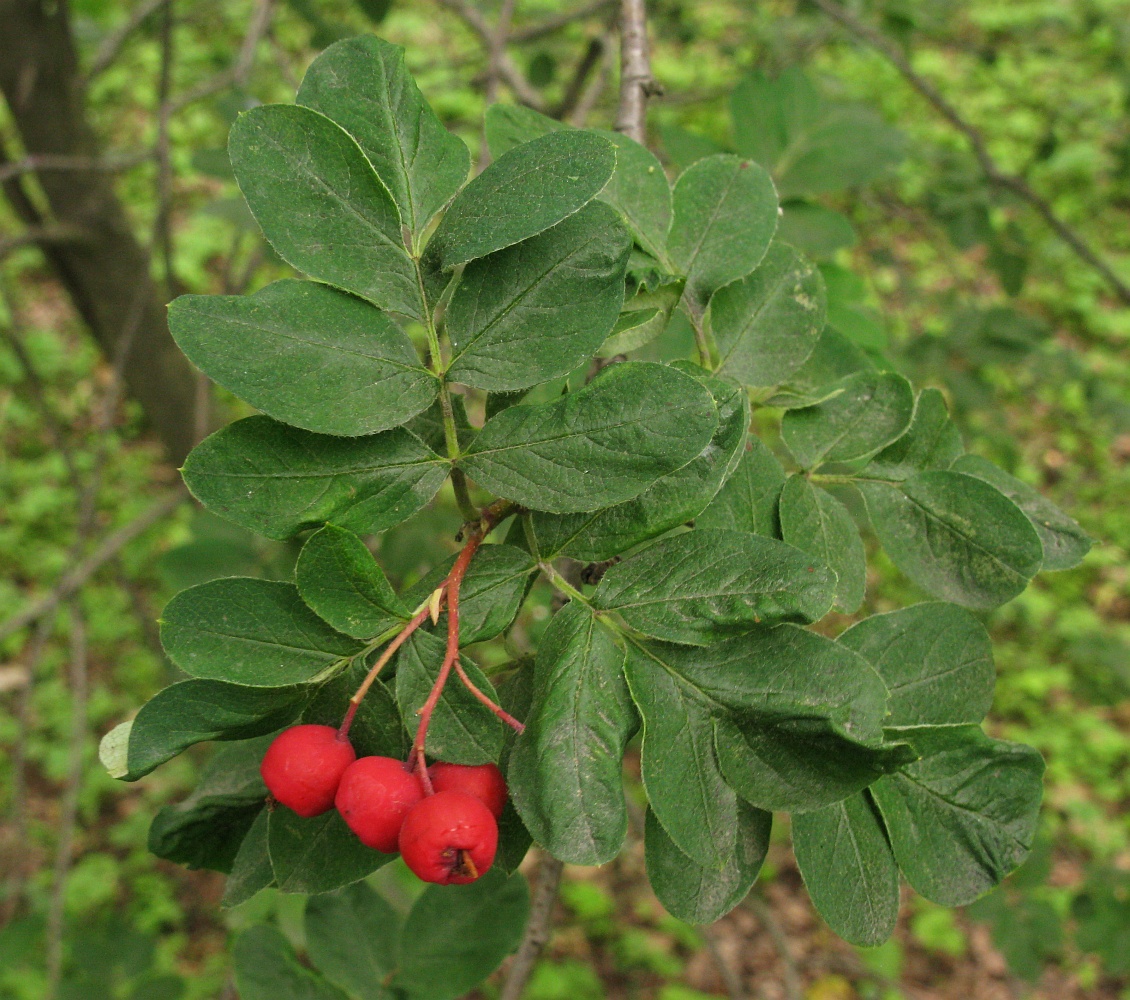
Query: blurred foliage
{"x": 958, "y": 283}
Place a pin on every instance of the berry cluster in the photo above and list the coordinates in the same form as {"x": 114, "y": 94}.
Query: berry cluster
{"x": 446, "y": 827}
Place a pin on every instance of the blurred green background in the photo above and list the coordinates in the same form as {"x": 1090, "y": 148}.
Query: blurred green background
{"x": 956, "y": 279}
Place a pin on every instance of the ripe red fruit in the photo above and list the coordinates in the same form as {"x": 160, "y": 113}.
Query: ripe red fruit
{"x": 374, "y": 796}
{"x": 450, "y": 838}
{"x": 303, "y": 766}
{"x": 484, "y": 781}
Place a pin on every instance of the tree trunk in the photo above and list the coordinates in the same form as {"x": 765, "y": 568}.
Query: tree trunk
{"x": 106, "y": 273}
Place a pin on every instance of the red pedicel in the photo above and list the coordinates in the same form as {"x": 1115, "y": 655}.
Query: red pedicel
{"x": 374, "y": 796}
{"x": 303, "y": 766}
{"x": 450, "y": 838}
{"x": 484, "y": 781}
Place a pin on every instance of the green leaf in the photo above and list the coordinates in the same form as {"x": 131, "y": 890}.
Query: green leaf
{"x": 703, "y": 585}
{"x": 849, "y": 870}
{"x": 785, "y": 676}
{"x": 277, "y": 480}
{"x": 462, "y": 730}
{"x": 815, "y": 230}
{"x": 457, "y": 935}
{"x": 725, "y": 214}
{"x": 490, "y": 595}
{"x": 194, "y": 711}
{"x": 522, "y": 193}
{"x": 510, "y": 125}
{"x": 598, "y": 446}
{"x": 321, "y": 206}
{"x": 536, "y": 310}
{"x": 340, "y": 580}
{"x": 685, "y": 786}
{"x": 866, "y": 412}
{"x": 833, "y": 358}
{"x": 266, "y": 968}
{"x": 363, "y": 84}
{"x": 376, "y": 730}
{"x": 674, "y": 499}
{"x": 700, "y": 895}
{"x": 306, "y": 354}
{"x": 318, "y": 854}
{"x": 247, "y": 631}
{"x": 1064, "y": 542}
{"x": 207, "y": 828}
{"x": 936, "y": 660}
{"x": 932, "y": 442}
{"x": 767, "y": 324}
{"x": 353, "y": 937}
{"x": 964, "y": 816}
{"x": 817, "y": 523}
{"x": 748, "y": 499}
{"x": 251, "y": 870}
{"x": 777, "y": 768}
{"x": 956, "y": 537}
{"x": 639, "y": 191}
{"x": 565, "y": 769}
{"x": 428, "y": 426}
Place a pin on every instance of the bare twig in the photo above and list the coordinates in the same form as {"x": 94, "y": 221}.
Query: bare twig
{"x": 729, "y": 976}
{"x": 989, "y": 166}
{"x": 537, "y": 930}
{"x": 51, "y": 233}
{"x": 551, "y": 24}
{"x": 596, "y": 85}
{"x": 794, "y": 988}
{"x": 496, "y": 52}
{"x": 163, "y": 233}
{"x": 69, "y": 808}
{"x": 113, "y": 43}
{"x": 578, "y": 85}
{"x": 110, "y": 546}
{"x": 636, "y": 81}
{"x": 514, "y": 77}
{"x": 47, "y": 161}
{"x": 240, "y": 70}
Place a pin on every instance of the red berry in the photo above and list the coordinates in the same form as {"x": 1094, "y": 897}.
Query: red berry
{"x": 484, "y": 781}
{"x": 303, "y": 766}
{"x": 449, "y": 838}
{"x": 373, "y": 798}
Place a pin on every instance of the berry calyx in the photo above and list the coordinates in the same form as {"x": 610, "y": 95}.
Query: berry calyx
{"x": 450, "y": 838}
{"x": 484, "y": 781}
{"x": 374, "y": 796}
{"x": 303, "y": 766}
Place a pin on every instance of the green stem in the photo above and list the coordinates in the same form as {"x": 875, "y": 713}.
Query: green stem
{"x": 562, "y": 584}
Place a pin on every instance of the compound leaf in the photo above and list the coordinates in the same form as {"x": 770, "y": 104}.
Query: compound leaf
{"x": 247, "y": 631}
{"x": 536, "y": 310}
{"x": 362, "y": 84}
{"x": 321, "y": 205}
{"x": 955, "y": 536}
{"x": 598, "y": 446}
{"x": 848, "y": 867}
{"x": 766, "y": 324}
{"x": 565, "y": 769}
{"x": 306, "y": 354}
{"x": 706, "y": 584}
{"x": 278, "y": 480}
{"x": 936, "y": 660}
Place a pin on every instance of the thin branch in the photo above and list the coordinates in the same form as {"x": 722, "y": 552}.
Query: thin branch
{"x": 729, "y": 977}
{"x": 113, "y": 43}
{"x": 552, "y": 24}
{"x": 537, "y": 930}
{"x": 236, "y": 75}
{"x": 514, "y": 77}
{"x": 496, "y": 51}
{"x": 110, "y": 546}
{"x": 578, "y": 85}
{"x": 636, "y": 81}
{"x": 794, "y": 988}
{"x": 596, "y": 85}
{"x": 111, "y": 162}
{"x": 69, "y": 808}
{"x": 50, "y": 234}
{"x": 163, "y": 222}
{"x": 989, "y": 166}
